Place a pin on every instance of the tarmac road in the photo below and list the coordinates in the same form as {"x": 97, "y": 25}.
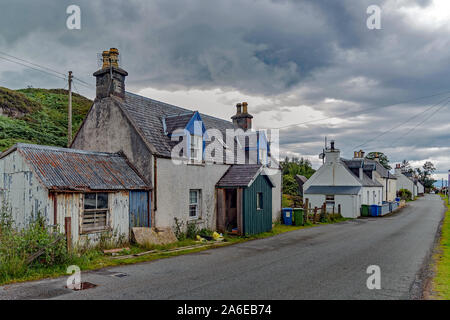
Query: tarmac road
{"x": 326, "y": 262}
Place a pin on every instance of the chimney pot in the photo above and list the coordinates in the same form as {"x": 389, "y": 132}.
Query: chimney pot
{"x": 238, "y": 108}
{"x": 244, "y": 106}
{"x": 114, "y": 57}
{"x": 332, "y": 144}
{"x": 105, "y": 59}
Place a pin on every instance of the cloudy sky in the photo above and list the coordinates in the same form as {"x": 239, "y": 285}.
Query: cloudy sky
{"x": 312, "y": 62}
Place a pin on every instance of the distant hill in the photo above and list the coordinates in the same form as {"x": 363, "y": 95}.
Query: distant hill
{"x": 38, "y": 116}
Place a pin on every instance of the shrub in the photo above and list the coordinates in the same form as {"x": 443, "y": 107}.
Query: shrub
{"x": 404, "y": 194}
{"x": 191, "y": 230}
{"x": 178, "y": 229}
{"x": 17, "y": 246}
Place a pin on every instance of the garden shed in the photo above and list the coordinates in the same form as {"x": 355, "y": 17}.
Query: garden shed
{"x": 82, "y": 193}
{"x": 244, "y": 200}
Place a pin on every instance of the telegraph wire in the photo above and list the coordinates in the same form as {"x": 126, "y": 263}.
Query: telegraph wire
{"x": 363, "y": 111}
{"x": 403, "y": 123}
{"x": 41, "y": 68}
{"x": 419, "y": 124}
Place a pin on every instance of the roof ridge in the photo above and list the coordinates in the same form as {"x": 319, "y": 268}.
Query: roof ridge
{"x": 172, "y": 105}
{"x": 61, "y": 149}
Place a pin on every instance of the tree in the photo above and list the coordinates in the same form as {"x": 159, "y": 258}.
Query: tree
{"x": 425, "y": 175}
{"x": 405, "y": 166}
{"x": 292, "y": 167}
{"x": 384, "y": 161}
{"x": 290, "y": 186}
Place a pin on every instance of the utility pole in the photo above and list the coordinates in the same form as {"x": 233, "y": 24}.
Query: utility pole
{"x": 69, "y": 112}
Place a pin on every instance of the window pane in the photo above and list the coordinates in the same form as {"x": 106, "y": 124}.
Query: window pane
{"x": 89, "y": 201}
{"x": 193, "y": 210}
{"x": 102, "y": 201}
{"x": 193, "y": 196}
{"x": 259, "y": 200}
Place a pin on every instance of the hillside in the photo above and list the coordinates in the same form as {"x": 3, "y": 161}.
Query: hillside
{"x": 38, "y": 116}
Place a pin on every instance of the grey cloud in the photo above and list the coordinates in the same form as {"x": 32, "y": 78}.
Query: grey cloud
{"x": 294, "y": 52}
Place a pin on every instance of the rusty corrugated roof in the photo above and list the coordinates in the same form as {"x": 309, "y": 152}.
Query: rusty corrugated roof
{"x": 71, "y": 169}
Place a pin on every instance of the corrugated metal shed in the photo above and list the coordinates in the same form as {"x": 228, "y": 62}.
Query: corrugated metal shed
{"x": 78, "y": 170}
{"x": 333, "y": 190}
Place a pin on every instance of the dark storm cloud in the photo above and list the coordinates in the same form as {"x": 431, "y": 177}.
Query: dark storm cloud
{"x": 301, "y": 52}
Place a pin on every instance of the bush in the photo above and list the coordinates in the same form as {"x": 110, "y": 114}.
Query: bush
{"x": 191, "y": 230}
{"x": 404, "y": 194}
{"x": 17, "y": 246}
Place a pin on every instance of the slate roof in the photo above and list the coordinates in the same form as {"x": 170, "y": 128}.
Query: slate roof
{"x": 300, "y": 179}
{"x": 147, "y": 114}
{"x": 78, "y": 170}
{"x": 333, "y": 190}
{"x": 366, "y": 181}
{"x": 177, "y": 122}
{"x": 369, "y": 165}
{"x": 240, "y": 175}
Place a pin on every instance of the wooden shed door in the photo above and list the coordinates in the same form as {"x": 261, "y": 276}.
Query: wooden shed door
{"x": 139, "y": 209}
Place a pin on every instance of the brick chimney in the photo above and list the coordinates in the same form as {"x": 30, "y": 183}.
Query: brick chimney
{"x": 242, "y": 119}
{"x": 110, "y": 78}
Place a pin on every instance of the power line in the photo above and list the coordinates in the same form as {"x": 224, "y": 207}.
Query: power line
{"x": 363, "y": 111}
{"x": 420, "y": 123}
{"x": 401, "y": 124}
{"x": 32, "y": 63}
{"x": 43, "y": 68}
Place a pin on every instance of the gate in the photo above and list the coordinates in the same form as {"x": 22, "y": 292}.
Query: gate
{"x": 139, "y": 209}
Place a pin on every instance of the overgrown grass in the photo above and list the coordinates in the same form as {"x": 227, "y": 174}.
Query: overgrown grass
{"x": 441, "y": 281}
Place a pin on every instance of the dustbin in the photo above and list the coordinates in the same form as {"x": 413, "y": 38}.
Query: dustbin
{"x": 375, "y": 210}
{"x": 365, "y": 210}
{"x": 298, "y": 216}
{"x": 287, "y": 216}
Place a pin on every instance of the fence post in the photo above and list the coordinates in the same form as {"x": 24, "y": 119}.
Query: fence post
{"x": 339, "y": 209}
{"x": 315, "y": 215}
{"x": 68, "y": 230}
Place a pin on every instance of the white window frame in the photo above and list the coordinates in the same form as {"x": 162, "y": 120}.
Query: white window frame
{"x": 196, "y": 148}
{"x": 97, "y": 211}
{"x": 258, "y": 202}
{"x": 262, "y": 156}
{"x": 196, "y": 204}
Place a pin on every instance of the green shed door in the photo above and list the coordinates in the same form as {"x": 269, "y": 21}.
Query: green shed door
{"x": 257, "y": 220}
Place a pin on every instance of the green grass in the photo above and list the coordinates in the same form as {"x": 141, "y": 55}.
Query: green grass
{"x": 95, "y": 259}
{"x": 43, "y": 118}
{"x": 441, "y": 281}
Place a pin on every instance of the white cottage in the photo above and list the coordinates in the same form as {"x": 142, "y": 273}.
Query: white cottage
{"x": 334, "y": 183}
{"x": 96, "y": 191}
{"x": 404, "y": 181}
{"x": 150, "y": 133}
{"x": 374, "y": 169}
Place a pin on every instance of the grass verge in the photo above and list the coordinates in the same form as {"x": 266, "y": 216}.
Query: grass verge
{"x": 95, "y": 259}
{"x": 441, "y": 280}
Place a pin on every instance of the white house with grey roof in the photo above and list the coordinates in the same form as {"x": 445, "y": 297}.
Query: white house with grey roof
{"x": 374, "y": 169}
{"x": 405, "y": 181}
{"x": 97, "y": 192}
{"x": 181, "y": 153}
{"x": 334, "y": 183}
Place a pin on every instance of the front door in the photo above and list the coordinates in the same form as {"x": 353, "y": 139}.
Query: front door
{"x": 139, "y": 209}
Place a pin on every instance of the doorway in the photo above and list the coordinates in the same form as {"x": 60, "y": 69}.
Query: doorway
{"x": 231, "y": 210}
